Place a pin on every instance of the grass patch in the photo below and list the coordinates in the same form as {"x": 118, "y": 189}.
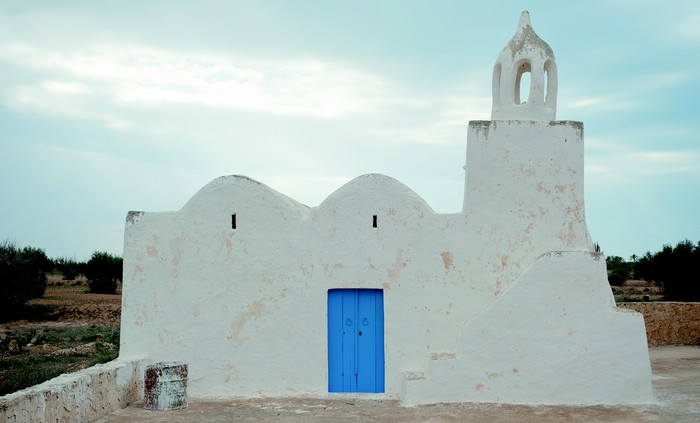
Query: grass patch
{"x": 46, "y": 352}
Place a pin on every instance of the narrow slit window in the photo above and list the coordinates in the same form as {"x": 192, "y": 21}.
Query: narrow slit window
{"x": 233, "y": 221}
{"x": 374, "y": 221}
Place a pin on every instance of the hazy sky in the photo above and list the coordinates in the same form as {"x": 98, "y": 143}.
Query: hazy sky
{"x": 107, "y": 107}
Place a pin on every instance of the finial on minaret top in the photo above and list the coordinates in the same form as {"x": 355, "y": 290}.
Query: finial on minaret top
{"x": 524, "y": 19}
{"x": 526, "y": 54}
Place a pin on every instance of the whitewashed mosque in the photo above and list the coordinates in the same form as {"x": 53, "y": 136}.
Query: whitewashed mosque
{"x": 373, "y": 292}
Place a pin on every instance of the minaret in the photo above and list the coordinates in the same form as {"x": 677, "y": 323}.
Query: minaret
{"x": 524, "y": 168}
{"x": 525, "y": 53}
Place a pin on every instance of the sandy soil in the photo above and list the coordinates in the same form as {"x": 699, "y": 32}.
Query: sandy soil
{"x": 69, "y": 303}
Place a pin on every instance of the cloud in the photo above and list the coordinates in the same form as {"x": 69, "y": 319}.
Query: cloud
{"x": 627, "y": 101}
{"x": 645, "y": 91}
{"x": 689, "y": 28}
{"x": 629, "y": 162}
{"x": 72, "y": 100}
{"x": 667, "y": 162}
{"x": 127, "y": 76}
{"x": 57, "y": 87}
{"x": 441, "y": 120}
{"x": 602, "y": 104}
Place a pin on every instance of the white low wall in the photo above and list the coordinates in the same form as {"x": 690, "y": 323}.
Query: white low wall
{"x": 83, "y": 396}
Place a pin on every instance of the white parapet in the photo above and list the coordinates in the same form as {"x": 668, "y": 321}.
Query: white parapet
{"x": 82, "y": 396}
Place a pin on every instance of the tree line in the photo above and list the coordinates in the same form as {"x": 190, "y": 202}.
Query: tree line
{"x": 675, "y": 269}
{"x": 23, "y": 273}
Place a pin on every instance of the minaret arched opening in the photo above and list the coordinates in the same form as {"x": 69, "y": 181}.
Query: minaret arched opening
{"x": 523, "y": 83}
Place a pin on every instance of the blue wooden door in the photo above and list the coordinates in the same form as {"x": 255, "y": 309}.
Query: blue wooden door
{"x": 355, "y": 340}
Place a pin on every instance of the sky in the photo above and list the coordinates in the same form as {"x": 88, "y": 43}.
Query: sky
{"x": 107, "y": 107}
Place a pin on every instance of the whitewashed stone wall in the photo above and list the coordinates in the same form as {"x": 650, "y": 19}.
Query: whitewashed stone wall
{"x": 83, "y": 396}
{"x": 556, "y": 337}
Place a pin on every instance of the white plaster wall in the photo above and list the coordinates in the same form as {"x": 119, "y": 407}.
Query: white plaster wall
{"x": 556, "y": 337}
{"x": 83, "y": 396}
{"x": 529, "y": 173}
{"x": 246, "y": 308}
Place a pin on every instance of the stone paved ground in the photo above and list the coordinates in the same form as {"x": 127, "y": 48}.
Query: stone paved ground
{"x": 676, "y": 385}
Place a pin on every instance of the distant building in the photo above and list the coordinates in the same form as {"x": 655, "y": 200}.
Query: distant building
{"x": 372, "y": 291}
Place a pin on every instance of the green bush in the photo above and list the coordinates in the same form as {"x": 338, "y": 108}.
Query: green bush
{"x": 618, "y": 270}
{"x": 69, "y": 268}
{"x": 618, "y": 277}
{"x": 103, "y": 270}
{"x": 22, "y": 275}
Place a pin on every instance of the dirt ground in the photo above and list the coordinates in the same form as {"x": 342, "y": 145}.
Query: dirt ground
{"x": 66, "y": 330}
{"x": 67, "y": 303}
{"x": 70, "y": 302}
{"x": 676, "y": 384}
{"x": 635, "y": 290}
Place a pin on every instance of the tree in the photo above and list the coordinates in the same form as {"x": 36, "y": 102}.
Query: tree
{"x": 22, "y": 275}
{"x": 103, "y": 270}
{"x": 675, "y": 269}
{"x": 69, "y": 267}
{"x": 618, "y": 270}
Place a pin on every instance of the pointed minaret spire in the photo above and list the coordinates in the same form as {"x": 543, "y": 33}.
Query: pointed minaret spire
{"x": 524, "y": 20}
{"x": 526, "y": 54}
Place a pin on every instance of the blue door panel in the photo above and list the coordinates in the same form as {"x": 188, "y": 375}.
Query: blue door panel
{"x": 349, "y": 340}
{"x": 366, "y": 339}
{"x": 355, "y": 340}
{"x": 335, "y": 344}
